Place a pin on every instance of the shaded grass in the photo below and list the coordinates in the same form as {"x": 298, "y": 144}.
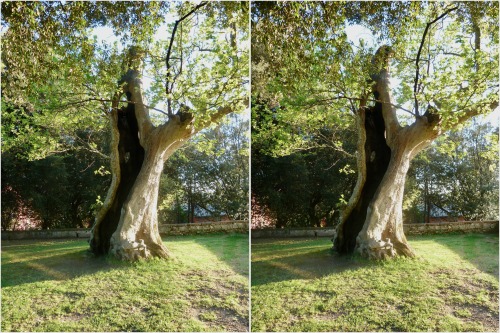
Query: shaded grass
{"x": 300, "y": 285}
{"x": 58, "y": 286}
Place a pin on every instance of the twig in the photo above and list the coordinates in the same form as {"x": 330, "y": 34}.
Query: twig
{"x": 109, "y": 100}
{"x": 168, "y": 88}
{"x": 417, "y": 71}
{"x": 359, "y": 99}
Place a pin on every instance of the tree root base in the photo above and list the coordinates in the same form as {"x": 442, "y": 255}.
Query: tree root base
{"x": 384, "y": 249}
{"x": 134, "y": 251}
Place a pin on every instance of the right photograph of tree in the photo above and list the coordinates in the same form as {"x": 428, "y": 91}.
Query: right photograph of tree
{"x": 374, "y": 173}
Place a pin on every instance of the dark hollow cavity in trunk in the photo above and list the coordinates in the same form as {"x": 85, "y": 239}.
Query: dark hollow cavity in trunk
{"x": 378, "y": 155}
{"x": 131, "y": 157}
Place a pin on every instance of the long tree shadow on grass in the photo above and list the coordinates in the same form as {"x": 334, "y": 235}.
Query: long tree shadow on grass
{"x": 34, "y": 261}
{"x": 303, "y": 259}
{"x": 229, "y": 249}
{"x": 481, "y": 250}
{"x": 27, "y": 261}
{"x": 275, "y": 260}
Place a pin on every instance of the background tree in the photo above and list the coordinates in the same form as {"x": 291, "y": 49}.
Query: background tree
{"x": 65, "y": 78}
{"x": 305, "y": 188}
{"x": 56, "y": 191}
{"x": 210, "y": 174}
{"x": 457, "y": 177}
{"x": 443, "y": 57}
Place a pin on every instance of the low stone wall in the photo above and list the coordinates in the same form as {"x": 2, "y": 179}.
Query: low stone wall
{"x": 410, "y": 229}
{"x": 203, "y": 227}
{"x": 295, "y": 232}
{"x": 165, "y": 229}
{"x": 242, "y": 226}
{"x": 46, "y": 234}
{"x": 448, "y": 227}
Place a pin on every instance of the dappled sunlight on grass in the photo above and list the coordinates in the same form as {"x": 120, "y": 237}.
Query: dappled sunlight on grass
{"x": 466, "y": 250}
{"x": 298, "y": 259}
{"x": 42, "y": 255}
{"x": 272, "y": 254}
{"x": 300, "y": 285}
{"x": 300, "y": 273}
{"x": 55, "y": 260}
{"x": 59, "y": 286}
{"x": 48, "y": 271}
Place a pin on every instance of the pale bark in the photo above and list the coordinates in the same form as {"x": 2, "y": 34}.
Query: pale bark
{"x": 137, "y": 234}
{"x": 127, "y": 225}
{"x": 342, "y": 237}
{"x": 382, "y": 235}
{"x": 382, "y": 92}
{"x": 97, "y": 242}
{"x": 372, "y": 222}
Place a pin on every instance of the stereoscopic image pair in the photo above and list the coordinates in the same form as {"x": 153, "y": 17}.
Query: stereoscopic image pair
{"x": 224, "y": 166}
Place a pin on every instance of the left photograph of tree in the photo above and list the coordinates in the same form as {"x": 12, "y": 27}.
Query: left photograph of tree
{"x": 125, "y": 163}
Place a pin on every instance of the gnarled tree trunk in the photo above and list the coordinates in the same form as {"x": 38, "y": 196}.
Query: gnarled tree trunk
{"x": 127, "y": 224}
{"x": 372, "y": 222}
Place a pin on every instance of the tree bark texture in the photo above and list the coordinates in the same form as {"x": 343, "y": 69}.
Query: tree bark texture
{"x": 372, "y": 222}
{"x": 127, "y": 224}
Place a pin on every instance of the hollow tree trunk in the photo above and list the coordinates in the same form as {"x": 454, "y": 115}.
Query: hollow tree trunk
{"x": 372, "y": 222}
{"x": 382, "y": 233}
{"x": 127, "y": 224}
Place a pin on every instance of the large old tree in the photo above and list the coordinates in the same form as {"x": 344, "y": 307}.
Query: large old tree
{"x": 74, "y": 63}
{"x": 444, "y": 59}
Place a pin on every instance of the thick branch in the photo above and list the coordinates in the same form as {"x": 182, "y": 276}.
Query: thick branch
{"x": 221, "y": 112}
{"x": 417, "y": 70}
{"x": 141, "y": 111}
{"x": 382, "y": 92}
{"x": 215, "y": 118}
{"x": 388, "y": 111}
{"x": 472, "y": 112}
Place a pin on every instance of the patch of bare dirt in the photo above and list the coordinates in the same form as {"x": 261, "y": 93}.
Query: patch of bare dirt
{"x": 226, "y": 317}
{"x": 460, "y": 296}
{"x": 218, "y": 290}
{"x": 325, "y": 316}
{"x": 229, "y": 319}
{"x": 74, "y": 317}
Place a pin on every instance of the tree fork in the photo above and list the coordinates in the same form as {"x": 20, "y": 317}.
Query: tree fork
{"x": 130, "y": 156}
{"x": 127, "y": 224}
{"x": 372, "y": 164}
{"x": 372, "y": 222}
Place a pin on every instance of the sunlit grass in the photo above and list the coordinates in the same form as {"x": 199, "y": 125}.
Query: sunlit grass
{"x": 59, "y": 286}
{"x": 300, "y": 285}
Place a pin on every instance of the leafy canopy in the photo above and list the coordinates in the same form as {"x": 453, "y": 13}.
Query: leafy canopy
{"x": 58, "y": 76}
{"x": 309, "y": 72}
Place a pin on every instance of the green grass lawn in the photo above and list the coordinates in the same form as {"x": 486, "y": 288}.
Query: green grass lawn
{"x": 58, "y": 286}
{"x": 300, "y": 285}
